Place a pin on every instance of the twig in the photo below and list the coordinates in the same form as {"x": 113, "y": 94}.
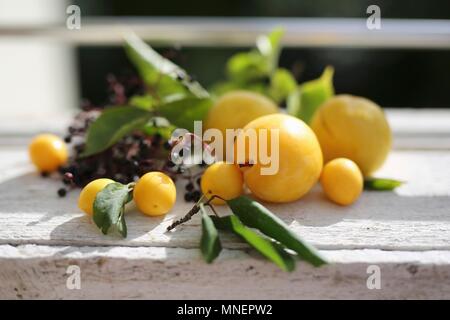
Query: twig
{"x": 213, "y": 210}
{"x": 195, "y": 209}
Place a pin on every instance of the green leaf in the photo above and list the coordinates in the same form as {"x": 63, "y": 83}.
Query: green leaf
{"x": 269, "y": 249}
{"x": 146, "y": 102}
{"x": 381, "y": 184}
{"x": 109, "y": 207}
{"x": 258, "y": 63}
{"x": 304, "y": 102}
{"x": 269, "y": 47}
{"x": 183, "y": 112}
{"x": 247, "y": 66}
{"x": 282, "y": 84}
{"x": 210, "y": 242}
{"x": 122, "y": 226}
{"x": 113, "y": 124}
{"x": 255, "y": 215}
{"x": 159, "y": 125}
{"x": 160, "y": 73}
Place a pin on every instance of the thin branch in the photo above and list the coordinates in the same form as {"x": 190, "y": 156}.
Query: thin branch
{"x": 195, "y": 209}
{"x": 213, "y": 209}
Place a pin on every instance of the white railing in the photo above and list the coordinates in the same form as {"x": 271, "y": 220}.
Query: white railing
{"x": 196, "y": 31}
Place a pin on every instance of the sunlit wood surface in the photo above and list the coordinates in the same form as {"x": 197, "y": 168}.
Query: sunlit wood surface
{"x": 406, "y": 233}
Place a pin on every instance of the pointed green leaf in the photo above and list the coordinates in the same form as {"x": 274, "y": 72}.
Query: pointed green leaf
{"x": 282, "y": 84}
{"x": 269, "y": 249}
{"x": 255, "y": 215}
{"x": 109, "y": 206}
{"x": 146, "y": 102}
{"x": 270, "y": 47}
{"x": 183, "y": 112}
{"x": 381, "y": 184}
{"x": 112, "y": 125}
{"x": 210, "y": 242}
{"x": 304, "y": 102}
{"x": 160, "y": 73}
{"x": 159, "y": 125}
{"x": 257, "y": 64}
{"x": 247, "y": 66}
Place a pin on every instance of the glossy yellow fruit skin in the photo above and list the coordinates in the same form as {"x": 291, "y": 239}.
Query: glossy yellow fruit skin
{"x": 235, "y": 109}
{"x": 354, "y": 128}
{"x": 48, "y": 152}
{"x": 224, "y": 180}
{"x": 89, "y": 192}
{"x": 300, "y": 161}
{"x": 155, "y": 194}
{"x": 342, "y": 181}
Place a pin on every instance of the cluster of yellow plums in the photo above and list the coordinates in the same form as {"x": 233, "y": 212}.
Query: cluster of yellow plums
{"x": 154, "y": 194}
{"x": 349, "y": 134}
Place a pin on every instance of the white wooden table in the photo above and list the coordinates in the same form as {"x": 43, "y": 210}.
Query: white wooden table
{"x": 405, "y": 233}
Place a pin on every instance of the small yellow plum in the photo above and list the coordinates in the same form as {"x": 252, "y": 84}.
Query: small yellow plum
{"x": 155, "y": 193}
{"x": 89, "y": 192}
{"x": 48, "y": 152}
{"x": 342, "y": 181}
{"x": 223, "y": 180}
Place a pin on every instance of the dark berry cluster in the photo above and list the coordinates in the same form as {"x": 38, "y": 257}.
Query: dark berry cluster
{"x": 192, "y": 193}
{"x": 127, "y": 160}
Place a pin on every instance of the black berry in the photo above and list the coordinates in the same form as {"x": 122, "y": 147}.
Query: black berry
{"x": 190, "y": 186}
{"x": 188, "y": 197}
{"x": 196, "y": 195}
{"x": 62, "y": 192}
{"x": 167, "y": 145}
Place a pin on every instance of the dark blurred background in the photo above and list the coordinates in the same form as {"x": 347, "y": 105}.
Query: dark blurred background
{"x": 391, "y": 77}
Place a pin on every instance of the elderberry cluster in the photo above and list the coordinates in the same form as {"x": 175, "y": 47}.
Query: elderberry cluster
{"x": 127, "y": 160}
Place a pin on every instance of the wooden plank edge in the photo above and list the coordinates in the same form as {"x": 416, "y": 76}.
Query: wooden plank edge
{"x": 40, "y": 272}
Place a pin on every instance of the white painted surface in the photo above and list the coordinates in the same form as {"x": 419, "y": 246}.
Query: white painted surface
{"x": 415, "y": 217}
{"x": 168, "y": 273}
{"x": 406, "y": 233}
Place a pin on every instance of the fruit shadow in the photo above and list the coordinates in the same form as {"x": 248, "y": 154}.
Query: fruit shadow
{"x": 315, "y": 210}
{"x": 30, "y": 193}
{"x": 31, "y": 202}
{"x": 31, "y": 211}
{"x": 142, "y": 231}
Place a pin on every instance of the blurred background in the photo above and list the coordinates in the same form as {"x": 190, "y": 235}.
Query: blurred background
{"x": 45, "y": 69}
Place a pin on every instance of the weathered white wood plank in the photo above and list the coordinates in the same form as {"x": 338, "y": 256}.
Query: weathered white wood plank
{"x": 153, "y": 264}
{"x": 39, "y": 272}
{"x": 419, "y": 121}
{"x": 415, "y": 217}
